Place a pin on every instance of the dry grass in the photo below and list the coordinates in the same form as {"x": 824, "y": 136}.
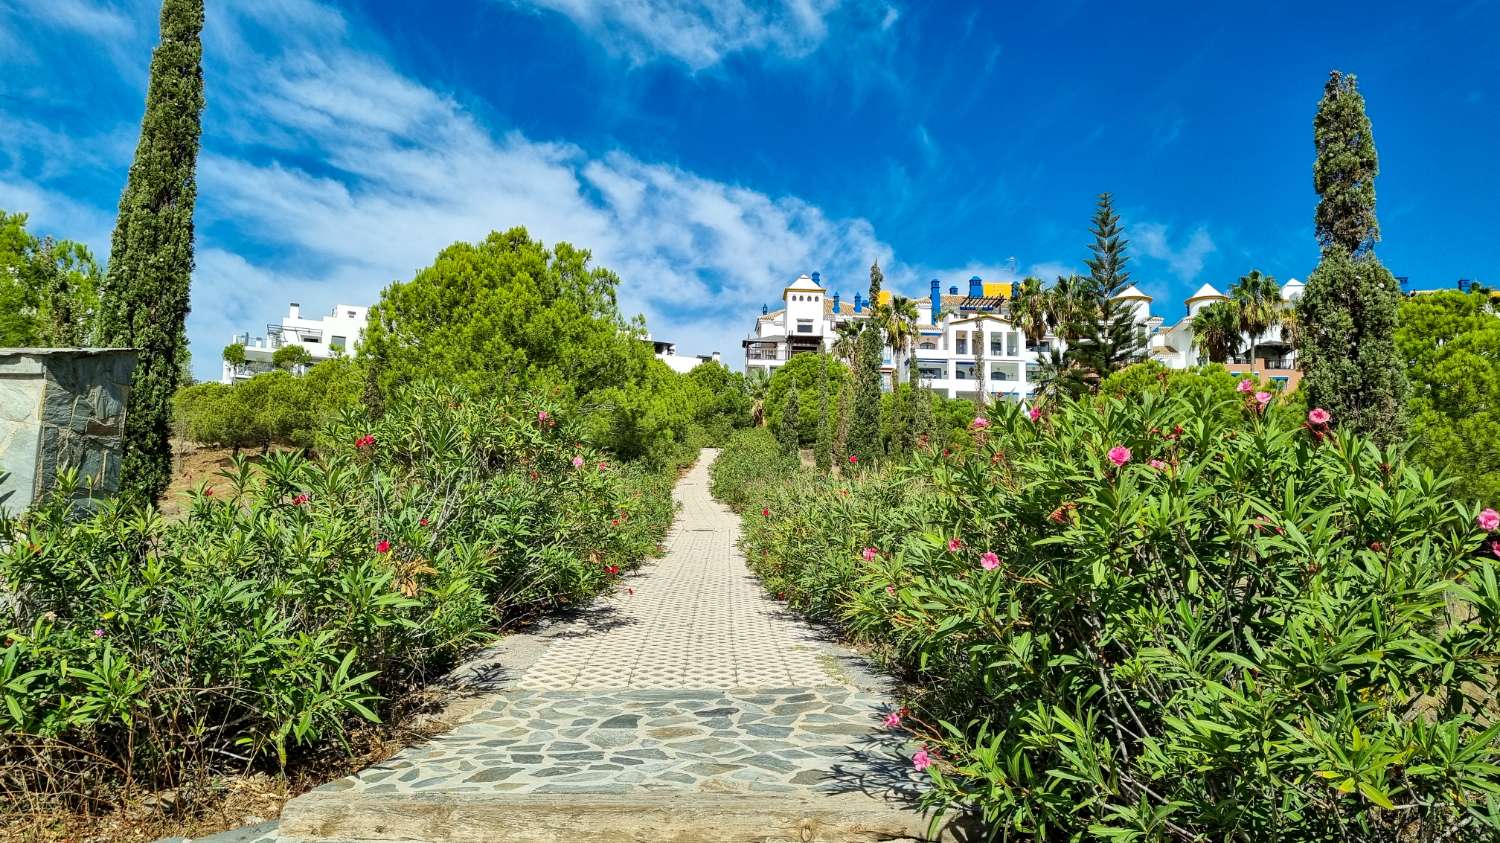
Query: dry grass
{"x": 231, "y": 801}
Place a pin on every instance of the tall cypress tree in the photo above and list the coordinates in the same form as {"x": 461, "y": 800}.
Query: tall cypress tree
{"x": 1348, "y": 309}
{"x": 1345, "y": 168}
{"x": 823, "y": 448}
{"x": 1110, "y": 339}
{"x": 791, "y": 420}
{"x": 864, "y": 427}
{"x": 144, "y": 297}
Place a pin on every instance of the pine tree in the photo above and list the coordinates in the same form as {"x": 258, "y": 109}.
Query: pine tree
{"x": 864, "y": 427}
{"x": 791, "y": 415}
{"x": 1109, "y": 339}
{"x": 823, "y": 448}
{"x": 144, "y": 297}
{"x": 1347, "y": 314}
{"x": 923, "y": 423}
{"x": 1345, "y": 168}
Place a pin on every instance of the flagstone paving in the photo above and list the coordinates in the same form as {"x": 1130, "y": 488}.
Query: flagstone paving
{"x": 689, "y": 683}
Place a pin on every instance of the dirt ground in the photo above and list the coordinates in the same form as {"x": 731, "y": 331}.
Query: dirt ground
{"x": 192, "y": 465}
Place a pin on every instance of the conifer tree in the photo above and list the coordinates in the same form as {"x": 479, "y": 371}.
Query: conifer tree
{"x": 791, "y": 415}
{"x": 144, "y": 296}
{"x": 1110, "y": 339}
{"x": 823, "y": 448}
{"x": 1345, "y": 168}
{"x": 1348, "y": 309}
{"x": 922, "y": 421}
{"x": 864, "y": 427}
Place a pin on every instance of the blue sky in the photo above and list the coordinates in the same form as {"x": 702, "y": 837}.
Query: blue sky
{"x": 708, "y": 152}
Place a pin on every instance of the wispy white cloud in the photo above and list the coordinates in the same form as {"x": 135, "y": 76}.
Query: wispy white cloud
{"x": 1184, "y": 262}
{"x": 700, "y": 33}
{"x": 94, "y": 19}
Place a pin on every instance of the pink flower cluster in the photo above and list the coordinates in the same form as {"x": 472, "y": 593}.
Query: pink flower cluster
{"x": 578, "y": 462}
{"x": 1488, "y": 520}
{"x": 1119, "y": 455}
{"x": 989, "y": 560}
{"x": 980, "y": 423}
{"x": 1034, "y": 414}
{"x": 869, "y": 554}
{"x": 955, "y": 545}
{"x": 922, "y": 760}
{"x": 366, "y": 441}
{"x": 301, "y": 499}
{"x": 383, "y": 546}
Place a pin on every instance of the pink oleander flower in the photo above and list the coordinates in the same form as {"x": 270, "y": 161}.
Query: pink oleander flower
{"x": 893, "y": 720}
{"x": 300, "y": 499}
{"x": 542, "y": 416}
{"x": 1119, "y": 455}
{"x": 1495, "y": 548}
{"x": 853, "y": 460}
{"x": 1262, "y": 399}
{"x": 98, "y": 633}
{"x": 1488, "y": 520}
{"x": 1034, "y": 414}
{"x": 989, "y": 561}
{"x": 922, "y": 760}
{"x": 765, "y": 512}
{"x": 891, "y": 589}
{"x": 603, "y": 466}
{"x": 980, "y": 422}
{"x": 578, "y": 462}
{"x": 955, "y": 545}
{"x": 423, "y": 522}
{"x": 365, "y": 441}
{"x": 1158, "y": 465}
{"x": 1245, "y": 386}
{"x": 208, "y": 492}
{"x": 869, "y": 554}
{"x": 382, "y": 546}
{"x": 1319, "y": 416}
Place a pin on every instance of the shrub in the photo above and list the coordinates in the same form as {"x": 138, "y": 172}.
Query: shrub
{"x": 273, "y": 408}
{"x": 752, "y": 459}
{"x": 273, "y": 617}
{"x": 1245, "y": 630}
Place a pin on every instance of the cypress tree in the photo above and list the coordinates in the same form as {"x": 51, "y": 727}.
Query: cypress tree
{"x": 144, "y": 297}
{"x": 920, "y": 412}
{"x": 1348, "y": 309}
{"x": 791, "y": 415}
{"x": 1110, "y": 340}
{"x": 823, "y": 448}
{"x": 864, "y": 427}
{"x": 1345, "y": 168}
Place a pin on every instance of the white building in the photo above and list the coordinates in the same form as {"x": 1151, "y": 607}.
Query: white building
{"x": 324, "y": 338}
{"x": 666, "y": 352}
{"x": 971, "y": 344}
{"x": 1274, "y": 357}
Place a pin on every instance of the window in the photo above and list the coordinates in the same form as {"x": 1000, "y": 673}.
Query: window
{"x": 995, "y": 350}
{"x": 336, "y": 343}
{"x": 804, "y": 326}
{"x": 349, "y": 313}
{"x": 1010, "y": 342}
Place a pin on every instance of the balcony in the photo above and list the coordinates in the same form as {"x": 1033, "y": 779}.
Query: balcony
{"x": 764, "y": 354}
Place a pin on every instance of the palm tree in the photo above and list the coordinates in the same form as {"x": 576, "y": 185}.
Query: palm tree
{"x": 758, "y": 385}
{"x": 1069, "y": 306}
{"x": 1216, "y": 331}
{"x": 847, "y": 340}
{"x": 1029, "y": 310}
{"x": 899, "y": 319}
{"x": 1257, "y": 303}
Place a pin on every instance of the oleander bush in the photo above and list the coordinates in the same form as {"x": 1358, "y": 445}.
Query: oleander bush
{"x": 279, "y": 613}
{"x": 751, "y": 465}
{"x": 1165, "y": 618}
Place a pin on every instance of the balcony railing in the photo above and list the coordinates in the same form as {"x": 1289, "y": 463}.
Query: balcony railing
{"x": 764, "y": 354}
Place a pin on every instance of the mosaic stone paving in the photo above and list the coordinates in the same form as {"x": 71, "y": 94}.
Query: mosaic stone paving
{"x": 637, "y": 741}
{"x": 688, "y": 681}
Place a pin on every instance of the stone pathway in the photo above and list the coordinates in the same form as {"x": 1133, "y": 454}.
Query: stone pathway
{"x": 687, "y": 706}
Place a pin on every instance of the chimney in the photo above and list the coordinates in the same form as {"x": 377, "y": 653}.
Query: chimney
{"x": 937, "y": 301}
{"x": 716, "y": 358}
{"x": 857, "y": 306}
{"x": 953, "y": 290}
{"x": 294, "y": 311}
{"x": 836, "y": 301}
{"x": 976, "y": 287}
{"x": 817, "y": 278}
{"x": 764, "y": 310}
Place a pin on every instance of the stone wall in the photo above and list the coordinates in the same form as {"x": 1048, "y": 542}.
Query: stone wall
{"x": 61, "y": 408}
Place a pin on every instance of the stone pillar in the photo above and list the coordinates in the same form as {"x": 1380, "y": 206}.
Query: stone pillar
{"x": 61, "y": 408}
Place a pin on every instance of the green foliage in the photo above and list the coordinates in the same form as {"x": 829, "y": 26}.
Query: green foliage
{"x": 803, "y": 369}
{"x": 274, "y": 408}
{"x": 48, "y": 290}
{"x": 652, "y": 420}
{"x": 278, "y": 613}
{"x": 752, "y": 463}
{"x": 864, "y": 440}
{"x": 1216, "y": 331}
{"x": 787, "y": 434}
{"x": 234, "y": 354}
{"x": 1257, "y": 304}
{"x": 1345, "y": 169}
{"x": 143, "y": 302}
{"x": 290, "y": 356}
{"x": 1250, "y": 630}
{"x": 502, "y": 314}
{"x": 1450, "y": 345}
{"x": 823, "y": 446}
{"x": 722, "y": 401}
{"x": 1211, "y": 386}
{"x": 1348, "y": 354}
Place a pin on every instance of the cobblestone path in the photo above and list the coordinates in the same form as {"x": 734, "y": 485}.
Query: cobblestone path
{"x": 688, "y": 684}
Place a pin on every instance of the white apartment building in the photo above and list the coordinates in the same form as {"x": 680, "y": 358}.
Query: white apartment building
{"x": 1274, "y": 357}
{"x": 966, "y": 342}
{"x": 666, "y": 352}
{"x": 324, "y": 337}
